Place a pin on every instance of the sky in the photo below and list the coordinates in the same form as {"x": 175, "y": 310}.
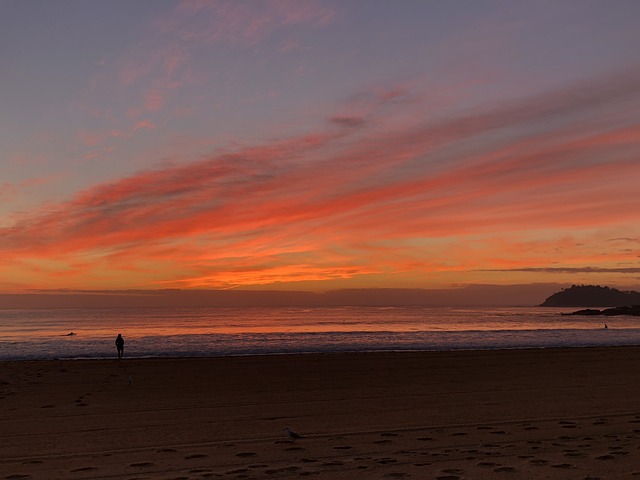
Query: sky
{"x": 318, "y": 145}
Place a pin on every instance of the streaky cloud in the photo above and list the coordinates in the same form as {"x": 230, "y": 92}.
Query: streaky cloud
{"x": 578, "y": 270}
{"x": 319, "y": 206}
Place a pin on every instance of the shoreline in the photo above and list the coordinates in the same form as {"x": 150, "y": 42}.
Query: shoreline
{"x": 337, "y": 353}
{"x": 557, "y": 413}
{"x": 320, "y": 353}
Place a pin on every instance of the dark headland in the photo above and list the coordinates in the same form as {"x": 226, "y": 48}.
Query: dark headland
{"x": 620, "y": 302}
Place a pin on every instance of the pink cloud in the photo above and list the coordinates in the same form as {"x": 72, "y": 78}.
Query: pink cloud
{"x": 149, "y": 74}
{"x": 90, "y": 139}
{"x": 98, "y": 137}
{"x": 153, "y": 100}
{"x": 7, "y": 192}
{"x": 144, "y": 125}
{"x": 242, "y": 22}
{"x": 338, "y": 203}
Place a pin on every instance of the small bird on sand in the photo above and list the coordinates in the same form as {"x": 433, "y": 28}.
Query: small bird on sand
{"x": 292, "y": 435}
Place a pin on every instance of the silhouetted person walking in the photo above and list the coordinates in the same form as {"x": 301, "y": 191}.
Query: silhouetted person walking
{"x": 120, "y": 345}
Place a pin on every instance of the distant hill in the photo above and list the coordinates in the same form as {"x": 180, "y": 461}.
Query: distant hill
{"x": 592, "y": 296}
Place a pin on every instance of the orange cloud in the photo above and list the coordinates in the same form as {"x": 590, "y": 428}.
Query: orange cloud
{"x": 451, "y": 196}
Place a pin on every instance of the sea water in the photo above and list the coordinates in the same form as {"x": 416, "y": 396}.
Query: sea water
{"x": 193, "y": 332}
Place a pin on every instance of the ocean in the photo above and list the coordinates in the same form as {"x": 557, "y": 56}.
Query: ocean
{"x": 196, "y": 332}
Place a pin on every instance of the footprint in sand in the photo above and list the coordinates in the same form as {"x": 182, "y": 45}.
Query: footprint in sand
{"x": 404, "y": 452}
{"x": 17, "y": 476}
{"x": 620, "y": 453}
{"x": 203, "y": 470}
{"x": 396, "y": 475}
{"x": 83, "y": 469}
{"x": 504, "y": 469}
{"x": 230, "y": 472}
{"x": 282, "y": 470}
{"x": 448, "y": 477}
{"x": 246, "y": 454}
{"x": 575, "y": 454}
{"x": 195, "y": 455}
{"x": 142, "y": 465}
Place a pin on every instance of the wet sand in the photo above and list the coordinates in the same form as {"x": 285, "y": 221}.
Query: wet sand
{"x": 548, "y": 414}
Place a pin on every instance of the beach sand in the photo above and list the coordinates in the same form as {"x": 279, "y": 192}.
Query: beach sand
{"x": 548, "y": 414}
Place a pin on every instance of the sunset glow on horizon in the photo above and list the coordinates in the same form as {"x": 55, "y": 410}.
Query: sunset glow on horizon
{"x": 317, "y": 145}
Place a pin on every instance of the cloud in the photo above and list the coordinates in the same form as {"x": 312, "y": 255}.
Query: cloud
{"x": 142, "y": 80}
{"x": 352, "y": 202}
{"x": 572, "y": 270}
{"x": 10, "y": 190}
{"x": 144, "y": 125}
{"x": 154, "y": 100}
{"x": 242, "y": 22}
{"x": 347, "y": 121}
{"x": 7, "y": 191}
{"x": 625, "y": 239}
